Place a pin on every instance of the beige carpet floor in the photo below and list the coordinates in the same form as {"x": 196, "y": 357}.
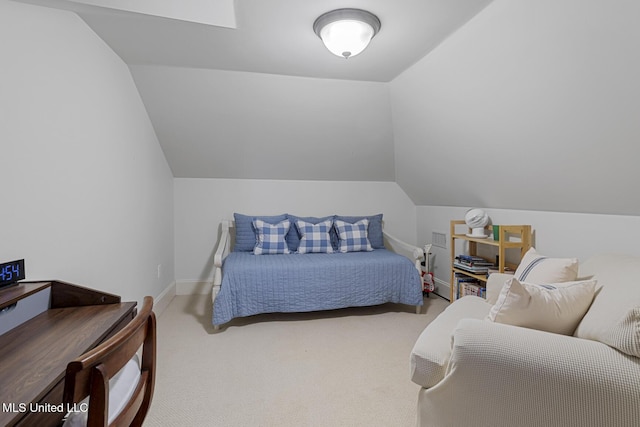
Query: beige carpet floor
{"x": 337, "y": 368}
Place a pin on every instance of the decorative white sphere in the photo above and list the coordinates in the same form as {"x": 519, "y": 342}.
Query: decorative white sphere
{"x": 476, "y": 218}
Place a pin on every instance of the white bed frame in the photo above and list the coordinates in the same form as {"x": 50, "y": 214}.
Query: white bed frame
{"x": 414, "y": 253}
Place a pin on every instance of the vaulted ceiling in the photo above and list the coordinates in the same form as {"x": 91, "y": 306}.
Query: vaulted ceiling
{"x": 273, "y": 37}
{"x": 249, "y": 90}
{"x": 507, "y": 104}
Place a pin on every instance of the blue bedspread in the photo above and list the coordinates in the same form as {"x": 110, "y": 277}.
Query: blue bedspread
{"x": 254, "y": 284}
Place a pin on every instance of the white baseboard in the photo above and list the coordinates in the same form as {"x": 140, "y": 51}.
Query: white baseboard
{"x": 442, "y": 288}
{"x": 162, "y": 301}
{"x": 193, "y": 287}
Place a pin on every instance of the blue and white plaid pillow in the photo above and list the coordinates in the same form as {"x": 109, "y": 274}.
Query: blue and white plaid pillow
{"x": 314, "y": 237}
{"x": 353, "y": 237}
{"x": 270, "y": 237}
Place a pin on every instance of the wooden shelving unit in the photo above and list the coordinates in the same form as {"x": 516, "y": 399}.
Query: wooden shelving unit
{"x": 510, "y": 237}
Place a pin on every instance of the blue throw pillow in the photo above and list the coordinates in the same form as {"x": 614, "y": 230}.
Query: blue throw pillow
{"x": 270, "y": 240}
{"x": 315, "y": 238}
{"x": 293, "y": 238}
{"x": 375, "y": 228}
{"x": 353, "y": 237}
{"x": 246, "y": 235}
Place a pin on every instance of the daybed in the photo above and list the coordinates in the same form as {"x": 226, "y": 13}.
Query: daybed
{"x": 246, "y": 284}
{"x": 477, "y": 372}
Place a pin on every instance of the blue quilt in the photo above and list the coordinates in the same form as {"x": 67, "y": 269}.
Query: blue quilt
{"x": 254, "y": 284}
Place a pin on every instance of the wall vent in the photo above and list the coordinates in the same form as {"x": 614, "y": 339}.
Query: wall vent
{"x": 439, "y": 239}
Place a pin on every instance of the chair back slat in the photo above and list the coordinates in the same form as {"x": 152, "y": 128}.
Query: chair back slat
{"x": 89, "y": 375}
{"x": 128, "y": 414}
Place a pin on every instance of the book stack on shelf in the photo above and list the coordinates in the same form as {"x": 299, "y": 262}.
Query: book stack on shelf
{"x": 466, "y": 285}
{"x": 472, "y": 264}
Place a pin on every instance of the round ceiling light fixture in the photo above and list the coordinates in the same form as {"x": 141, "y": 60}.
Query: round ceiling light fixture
{"x": 346, "y": 32}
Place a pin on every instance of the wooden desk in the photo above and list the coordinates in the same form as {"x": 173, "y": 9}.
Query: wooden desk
{"x": 34, "y": 355}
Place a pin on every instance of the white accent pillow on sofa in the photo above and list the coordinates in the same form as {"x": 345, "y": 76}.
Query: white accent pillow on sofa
{"x": 537, "y": 268}
{"x": 614, "y": 315}
{"x": 556, "y": 308}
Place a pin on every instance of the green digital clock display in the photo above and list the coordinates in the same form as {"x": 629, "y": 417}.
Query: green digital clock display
{"x": 11, "y": 272}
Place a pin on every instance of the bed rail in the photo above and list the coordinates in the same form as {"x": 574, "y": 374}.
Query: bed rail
{"x": 221, "y": 253}
{"x": 414, "y": 253}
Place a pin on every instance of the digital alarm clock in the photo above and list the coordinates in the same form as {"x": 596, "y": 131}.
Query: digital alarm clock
{"x": 11, "y": 272}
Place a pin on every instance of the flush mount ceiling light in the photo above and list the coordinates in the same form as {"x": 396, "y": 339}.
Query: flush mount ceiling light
{"x": 346, "y": 32}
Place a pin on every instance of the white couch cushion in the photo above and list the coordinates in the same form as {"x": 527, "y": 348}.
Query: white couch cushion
{"x": 625, "y": 334}
{"x": 614, "y": 315}
{"x": 537, "y": 268}
{"x": 556, "y": 308}
{"x": 432, "y": 350}
{"x": 495, "y": 283}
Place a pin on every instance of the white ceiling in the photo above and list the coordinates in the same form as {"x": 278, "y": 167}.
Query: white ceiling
{"x": 253, "y": 93}
{"x": 276, "y": 36}
{"x": 246, "y": 89}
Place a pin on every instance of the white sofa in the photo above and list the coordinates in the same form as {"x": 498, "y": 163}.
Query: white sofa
{"x": 474, "y": 372}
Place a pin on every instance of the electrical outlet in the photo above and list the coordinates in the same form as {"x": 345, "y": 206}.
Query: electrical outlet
{"x": 159, "y": 270}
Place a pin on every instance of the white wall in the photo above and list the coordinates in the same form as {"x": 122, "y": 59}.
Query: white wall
{"x": 555, "y": 234}
{"x": 231, "y": 124}
{"x": 87, "y": 193}
{"x": 532, "y": 105}
{"x": 200, "y": 205}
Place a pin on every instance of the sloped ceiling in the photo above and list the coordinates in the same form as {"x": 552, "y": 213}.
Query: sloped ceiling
{"x": 531, "y": 105}
{"x": 233, "y": 124}
{"x": 505, "y": 104}
{"x": 276, "y": 36}
{"x": 259, "y": 96}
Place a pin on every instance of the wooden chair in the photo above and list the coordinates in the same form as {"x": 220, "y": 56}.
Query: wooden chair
{"x": 89, "y": 375}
